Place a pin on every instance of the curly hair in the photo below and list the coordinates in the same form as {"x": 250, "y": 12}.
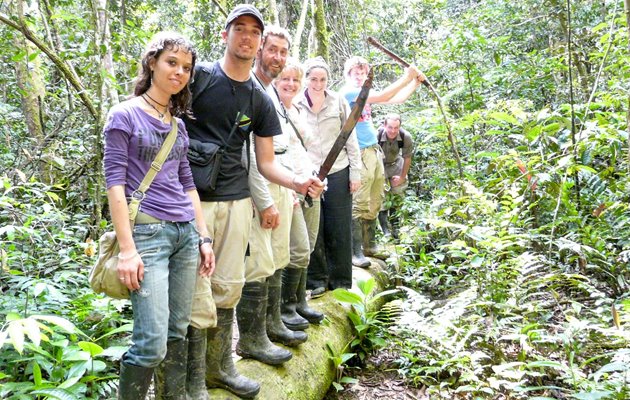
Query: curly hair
{"x": 180, "y": 102}
{"x": 354, "y": 62}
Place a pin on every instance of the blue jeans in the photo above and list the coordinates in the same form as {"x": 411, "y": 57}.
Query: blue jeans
{"x": 162, "y": 305}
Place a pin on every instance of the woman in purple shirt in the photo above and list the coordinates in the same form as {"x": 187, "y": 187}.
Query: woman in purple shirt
{"x": 158, "y": 258}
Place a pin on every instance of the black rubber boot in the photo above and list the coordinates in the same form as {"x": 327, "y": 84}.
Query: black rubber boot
{"x": 170, "y": 375}
{"x": 196, "y": 367}
{"x": 276, "y": 331}
{"x": 358, "y": 259}
{"x": 220, "y": 370}
{"x": 370, "y": 247}
{"x": 134, "y": 381}
{"x": 313, "y": 316}
{"x": 251, "y": 315}
{"x": 382, "y": 219}
{"x": 290, "y": 281}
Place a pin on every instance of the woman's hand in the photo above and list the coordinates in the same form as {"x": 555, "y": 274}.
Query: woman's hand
{"x": 354, "y": 186}
{"x": 130, "y": 270}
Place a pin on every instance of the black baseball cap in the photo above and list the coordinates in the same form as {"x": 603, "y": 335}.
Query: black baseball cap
{"x": 245, "y": 9}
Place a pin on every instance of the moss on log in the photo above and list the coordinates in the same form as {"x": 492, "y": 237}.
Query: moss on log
{"x": 309, "y": 374}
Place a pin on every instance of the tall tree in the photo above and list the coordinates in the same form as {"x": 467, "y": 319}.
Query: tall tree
{"x": 321, "y": 31}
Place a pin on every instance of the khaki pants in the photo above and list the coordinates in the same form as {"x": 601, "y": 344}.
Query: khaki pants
{"x": 269, "y": 249}
{"x": 229, "y": 224}
{"x": 367, "y": 201}
{"x": 304, "y": 229}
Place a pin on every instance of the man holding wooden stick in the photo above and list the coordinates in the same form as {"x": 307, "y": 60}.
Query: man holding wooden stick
{"x": 368, "y": 199}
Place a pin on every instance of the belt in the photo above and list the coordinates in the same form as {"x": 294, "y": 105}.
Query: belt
{"x": 143, "y": 218}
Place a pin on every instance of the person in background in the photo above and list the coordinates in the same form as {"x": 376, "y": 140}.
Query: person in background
{"x": 158, "y": 258}
{"x": 369, "y": 198}
{"x": 324, "y": 112}
{"x": 397, "y": 146}
{"x": 228, "y": 96}
{"x": 305, "y": 220}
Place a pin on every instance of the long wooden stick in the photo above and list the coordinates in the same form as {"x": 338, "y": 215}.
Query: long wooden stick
{"x": 451, "y": 137}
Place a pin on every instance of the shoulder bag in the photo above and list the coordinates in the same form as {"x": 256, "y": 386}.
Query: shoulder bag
{"x": 104, "y": 274}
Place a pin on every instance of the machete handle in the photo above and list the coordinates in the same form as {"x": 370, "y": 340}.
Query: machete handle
{"x": 393, "y": 56}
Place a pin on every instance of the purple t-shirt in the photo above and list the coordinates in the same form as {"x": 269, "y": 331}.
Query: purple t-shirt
{"x": 132, "y": 140}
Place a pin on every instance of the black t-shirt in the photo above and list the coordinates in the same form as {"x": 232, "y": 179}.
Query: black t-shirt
{"x": 215, "y": 109}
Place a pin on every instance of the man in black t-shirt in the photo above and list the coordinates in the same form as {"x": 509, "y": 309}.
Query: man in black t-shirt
{"x": 227, "y": 92}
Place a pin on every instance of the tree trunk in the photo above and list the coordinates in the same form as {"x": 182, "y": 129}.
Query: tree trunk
{"x": 30, "y": 81}
{"x": 273, "y": 9}
{"x": 108, "y": 93}
{"x": 321, "y": 31}
{"x": 295, "y": 51}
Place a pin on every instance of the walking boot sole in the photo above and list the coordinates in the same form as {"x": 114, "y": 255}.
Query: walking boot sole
{"x": 296, "y": 327}
{"x": 244, "y": 395}
{"x": 315, "y": 320}
{"x": 264, "y": 358}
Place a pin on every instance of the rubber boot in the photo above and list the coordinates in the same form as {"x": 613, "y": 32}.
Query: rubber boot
{"x": 134, "y": 381}
{"x": 251, "y": 315}
{"x": 196, "y": 366}
{"x": 382, "y": 219}
{"x": 276, "y": 331}
{"x": 358, "y": 259}
{"x": 370, "y": 247}
{"x": 302, "y": 308}
{"x": 170, "y": 375}
{"x": 220, "y": 370}
{"x": 290, "y": 281}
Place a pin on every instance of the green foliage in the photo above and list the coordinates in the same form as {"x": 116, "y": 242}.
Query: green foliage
{"x": 364, "y": 315}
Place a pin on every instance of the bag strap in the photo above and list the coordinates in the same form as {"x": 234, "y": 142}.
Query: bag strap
{"x": 138, "y": 195}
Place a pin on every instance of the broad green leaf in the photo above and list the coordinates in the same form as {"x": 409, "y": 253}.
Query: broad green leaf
{"x": 594, "y": 395}
{"x": 60, "y": 322}
{"x": 545, "y": 364}
{"x": 366, "y": 286}
{"x": 346, "y": 296}
{"x": 37, "y": 373}
{"x": 92, "y": 348}
{"x": 31, "y": 328}
{"x": 16, "y": 335}
{"x": 57, "y": 394}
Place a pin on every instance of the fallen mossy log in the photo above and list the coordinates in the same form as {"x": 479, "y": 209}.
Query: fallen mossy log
{"x": 310, "y": 373}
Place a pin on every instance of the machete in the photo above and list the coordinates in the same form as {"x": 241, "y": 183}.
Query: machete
{"x": 347, "y": 128}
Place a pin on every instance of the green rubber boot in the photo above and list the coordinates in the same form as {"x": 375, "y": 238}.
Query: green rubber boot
{"x": 220, "y": 369}
{"x": 251, "y": 314}
{"x": 312, "y": 316}
{"x": 276, "y": 331}
{"x": 358, "y": 258}
{"x": 290, "y": 317}
{"x": 134, "y": 381}
{"x": 370, "y": 247}
{"x": 170, "y": 375}
{"x": 196, "y": 366}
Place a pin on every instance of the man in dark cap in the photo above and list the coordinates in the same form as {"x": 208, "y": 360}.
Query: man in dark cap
{"x": 227, "y": 106}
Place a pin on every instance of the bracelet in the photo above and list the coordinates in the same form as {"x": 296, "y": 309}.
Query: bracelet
{"x": 127, "y": 257}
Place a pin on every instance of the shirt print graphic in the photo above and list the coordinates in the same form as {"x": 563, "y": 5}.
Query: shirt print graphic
{"x": 150, "y": 142}
{"x": 366, "y": 114}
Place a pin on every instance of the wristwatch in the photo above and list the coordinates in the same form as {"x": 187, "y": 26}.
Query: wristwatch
{"x": 203, "y": 240}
